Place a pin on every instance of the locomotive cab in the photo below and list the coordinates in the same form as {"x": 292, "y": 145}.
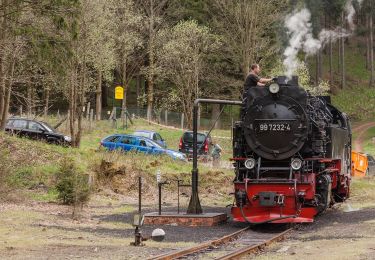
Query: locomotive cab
{"x": 290, "y": 152}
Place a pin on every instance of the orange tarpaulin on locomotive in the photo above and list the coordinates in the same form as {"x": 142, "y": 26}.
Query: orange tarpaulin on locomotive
{"x": 359, "y": 164}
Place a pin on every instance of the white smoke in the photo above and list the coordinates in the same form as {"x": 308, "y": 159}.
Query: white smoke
{"x": 350, "y": 11}
{"x": 299, "y": 30}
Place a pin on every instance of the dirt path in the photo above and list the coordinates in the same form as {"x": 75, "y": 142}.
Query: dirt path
{"x": 361, "y": 132}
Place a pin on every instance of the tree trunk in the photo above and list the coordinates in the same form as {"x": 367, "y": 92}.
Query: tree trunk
{"x": 330, "y": 63}
{"x": 368, "y": 49}
{"x": 46, "y": 101}
{"x": 343, "y": 81}
{"x": 150, "y": 94}
{"x": 339, "y": 55}
{"x": 29, "y": 100}
{"x": 3, "y": 36}
{"x": 138, "y": 88}
{"x": 5, "y": 113}
{"x": 2, "y": 88}
{"x": 317, "y": 68}
{"x": 99, "y": 96}
{"x": 124, "y": 85}
{"x": 215, "y": 114}
{"x": 72, "y": 107}
{"x": 372, "y": 79}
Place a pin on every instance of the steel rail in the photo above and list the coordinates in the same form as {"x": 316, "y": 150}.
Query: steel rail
{"x": 253, "y": 248}
{"x": 200, "y": 247}
{"x": 221, "y": 241}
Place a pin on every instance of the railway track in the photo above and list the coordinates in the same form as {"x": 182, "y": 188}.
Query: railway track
{"x": 233, "y": 246}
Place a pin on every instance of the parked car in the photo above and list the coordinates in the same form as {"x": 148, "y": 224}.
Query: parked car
{"x": 151, "y": 135}
{"x": 138, "y": 143}
{"x": 204, "y": 143}
{"x": 36, "y": 130}
{"x": 371, "y": 165}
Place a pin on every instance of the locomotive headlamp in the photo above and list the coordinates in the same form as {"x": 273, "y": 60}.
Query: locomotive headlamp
{"x": 274, "y": 88}
{"x": 296, "y": 164}
{"x": 250, "y": 163}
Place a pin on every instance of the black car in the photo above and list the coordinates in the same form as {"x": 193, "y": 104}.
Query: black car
{"x": 36, "y": 130}
{"x": 204, "y": 143}
{"x": 371, "y": 165}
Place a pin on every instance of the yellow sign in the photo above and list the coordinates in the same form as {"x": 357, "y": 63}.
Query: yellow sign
{"x": 119, "y": 92}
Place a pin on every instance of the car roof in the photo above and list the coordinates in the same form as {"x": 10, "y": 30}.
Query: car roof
{"x": 22, "y": 118}
{"x": 190, "y": 132}
{"x": 145, "y": 131}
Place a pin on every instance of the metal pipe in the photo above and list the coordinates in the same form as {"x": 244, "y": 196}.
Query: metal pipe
{"x": 140, "y": 196}
{"x": 159, "y": 184}
{"x": 194, "y": 204}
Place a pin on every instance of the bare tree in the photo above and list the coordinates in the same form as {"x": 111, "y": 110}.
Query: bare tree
{"x": 154, "y": 11}
{"x": 183, "y": 59}
{"x": 245, "y": 26}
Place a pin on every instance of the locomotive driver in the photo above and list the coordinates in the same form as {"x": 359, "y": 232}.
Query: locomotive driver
{"x": 253, "y": 79}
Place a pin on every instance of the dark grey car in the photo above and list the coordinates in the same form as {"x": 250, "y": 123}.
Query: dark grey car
{"x": 36, "y": 130}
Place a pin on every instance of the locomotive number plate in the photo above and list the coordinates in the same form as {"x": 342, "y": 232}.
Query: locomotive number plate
{"x": 273, "y": 127}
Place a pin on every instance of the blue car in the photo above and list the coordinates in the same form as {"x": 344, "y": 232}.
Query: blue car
{"x": 138, "y": 143}
{"x": 155, "y": 136}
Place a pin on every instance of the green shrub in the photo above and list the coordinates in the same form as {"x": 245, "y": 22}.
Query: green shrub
{"x": 72, "y": 185}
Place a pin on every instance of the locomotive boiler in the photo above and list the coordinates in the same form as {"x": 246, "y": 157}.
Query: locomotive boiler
{"x": 291, "y": 153}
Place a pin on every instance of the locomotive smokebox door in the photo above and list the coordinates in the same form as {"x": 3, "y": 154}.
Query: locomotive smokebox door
{"x": 267, "y": 199}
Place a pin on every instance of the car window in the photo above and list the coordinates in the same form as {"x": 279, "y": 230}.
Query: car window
{"x": 158, "y": 137}
{"x": 188, "y": 137}
{"x": 142, "y": 143}
{"x": 153, "y": 144}
{"x": 21, "y": 124}
{"x": 154, "y": 137}
{"x": 48, "y": 127}
{"x": 10, "y": 123}
{"x": 128, "y": 140}
{"x": 113, "y": 139}
{"x": 35, "y": 126}
{"x": 370, "y": 158}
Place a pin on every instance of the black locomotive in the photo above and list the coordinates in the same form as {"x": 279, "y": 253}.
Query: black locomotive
{"x": 292, "y": 154}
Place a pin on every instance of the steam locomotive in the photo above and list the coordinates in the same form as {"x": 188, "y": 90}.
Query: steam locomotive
{"x": 292, "y": 155}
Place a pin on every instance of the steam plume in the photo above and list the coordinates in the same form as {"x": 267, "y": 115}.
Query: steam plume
{"x": 299, "y": 30}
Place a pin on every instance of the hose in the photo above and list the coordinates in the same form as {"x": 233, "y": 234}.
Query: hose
{"x": 262, "y": 222}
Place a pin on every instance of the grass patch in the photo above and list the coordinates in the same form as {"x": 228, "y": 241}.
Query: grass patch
{"x": 369, "y": 144}
{"x": 50, "y": 196}
{"x": 124, "y": 209}
{"x": 363, "y": 192}
{"x": 357, "y": 102}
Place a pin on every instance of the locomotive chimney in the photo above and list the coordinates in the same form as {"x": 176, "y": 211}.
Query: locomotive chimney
{"x": 285, "y": 81}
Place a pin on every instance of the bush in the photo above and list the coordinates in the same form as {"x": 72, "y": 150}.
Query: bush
{"x": 72, "y": 185}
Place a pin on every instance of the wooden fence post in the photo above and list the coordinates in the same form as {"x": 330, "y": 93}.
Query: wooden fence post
{"x": 91, "y": 117}
{"x": 88, "y": 111}
{"x": 182, "y": 120}
{"x": 166, "y": 117}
